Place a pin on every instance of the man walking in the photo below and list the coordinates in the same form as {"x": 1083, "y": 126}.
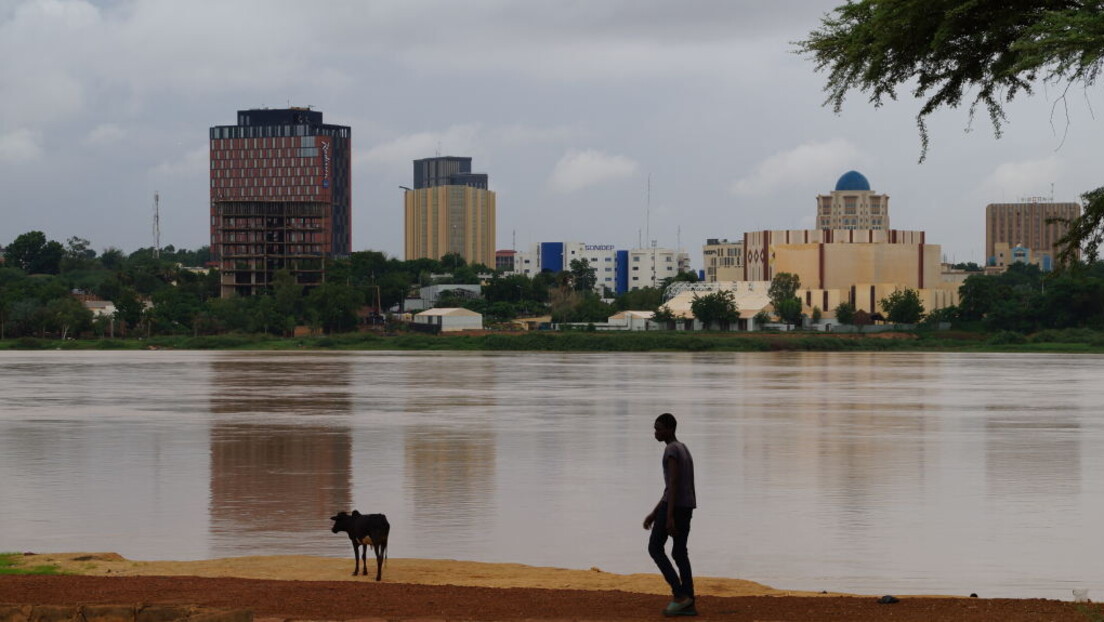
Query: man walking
{"x": 671, "y": 517}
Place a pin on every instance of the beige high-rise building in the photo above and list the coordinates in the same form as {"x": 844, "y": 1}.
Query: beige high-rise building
{"x": 449, "y": 210}
{"x": 1011, "y": 225}
{"x": 723, "y": 260}
{"x": 853, "y": 205}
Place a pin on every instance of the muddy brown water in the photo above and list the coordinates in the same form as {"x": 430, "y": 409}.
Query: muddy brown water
{"x": 854, "y": 472}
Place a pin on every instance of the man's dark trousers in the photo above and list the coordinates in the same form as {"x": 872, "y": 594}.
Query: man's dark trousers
{"x": 683, "y": 586}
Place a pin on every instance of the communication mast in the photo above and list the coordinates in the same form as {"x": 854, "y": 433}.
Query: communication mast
{"x": 156, "y": 224}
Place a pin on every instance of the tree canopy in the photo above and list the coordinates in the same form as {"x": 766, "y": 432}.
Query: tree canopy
{"x": 949, "y": 50}
{"x": 717, "y": 307}
{"x": 979, "y": 52}
{"x": 783, "y": 296}
{"x": 903, "y": 306}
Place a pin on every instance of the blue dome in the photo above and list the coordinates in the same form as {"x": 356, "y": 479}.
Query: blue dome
{"x": 852, "y": 180}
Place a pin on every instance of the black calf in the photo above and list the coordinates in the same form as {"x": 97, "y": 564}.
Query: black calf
{"x": 365, "y": 530}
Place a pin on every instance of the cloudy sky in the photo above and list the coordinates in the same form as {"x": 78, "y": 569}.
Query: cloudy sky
{"x": 569, "y": 105}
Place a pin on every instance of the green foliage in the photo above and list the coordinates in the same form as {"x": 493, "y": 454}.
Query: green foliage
{"x": 583, "y": 275}
{"x": 1007, "y": 337}
{"x": 903, "y": 306}
{"x": 816, "y": 314}
{"x": 663, "y": 314}
{"x": 34, "y": 254}
{"x": 783, "y": 286}
{"x": 642, "y": 299}
{"x": 789, "y": 311}
{"x": 761, "y": 319}
{"x": 681, "y": 277}
{"x": 967, "y": 267}
{"x": 948, "y": 50}
{"x": 783, "y": 296}
{"x": 579, "y": 306}
{"x": 945, "y": 314}
{"x": 715, "y": 308}
{"x": 334, "y": 306}
{"x": 1085, "y": 232}
{"x": 1069, "y": 335}
{"x": 9, "y": 565}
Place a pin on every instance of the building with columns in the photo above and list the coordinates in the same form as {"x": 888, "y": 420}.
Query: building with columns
{"x": 856, "y": 258}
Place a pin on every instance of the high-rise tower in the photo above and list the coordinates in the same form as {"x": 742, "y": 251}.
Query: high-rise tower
{"x": 450, "y": 210}
{"x": 281, "y": 197}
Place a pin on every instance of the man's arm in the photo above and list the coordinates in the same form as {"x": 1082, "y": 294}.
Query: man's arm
{"x": 672, "y": 487}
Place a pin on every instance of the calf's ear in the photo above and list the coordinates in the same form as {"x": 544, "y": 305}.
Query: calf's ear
{"x": 355, "y": 513}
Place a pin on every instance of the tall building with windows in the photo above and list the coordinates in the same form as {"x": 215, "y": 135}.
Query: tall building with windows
{"x": 853, "y": 205}
{"x": 723, "y": 260}
{"x": 1024, "y": 225}
{"x": 281, "y": 197}
{"x": 615, "y": 270}
{"x": 449, "y": 210}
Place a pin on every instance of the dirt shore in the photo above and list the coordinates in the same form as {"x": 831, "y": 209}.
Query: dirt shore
{"x": 310, "y": 588}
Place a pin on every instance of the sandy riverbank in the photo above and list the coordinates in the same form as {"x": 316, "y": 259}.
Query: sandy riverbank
{"x": 297, "y": 588}
{"x": 407, "y": 571}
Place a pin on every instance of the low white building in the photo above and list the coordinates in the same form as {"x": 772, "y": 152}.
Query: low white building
{"x": 99, "y": 308}
{"x": 630, "y": 320}
{"x": 750, "y": 297}
{"x": 448, "y": 319}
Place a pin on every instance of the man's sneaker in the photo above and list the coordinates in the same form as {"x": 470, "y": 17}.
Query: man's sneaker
{"x": 680, "y": 609}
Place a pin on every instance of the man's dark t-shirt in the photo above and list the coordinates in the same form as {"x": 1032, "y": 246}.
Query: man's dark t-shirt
{"x": 684, "y": 495}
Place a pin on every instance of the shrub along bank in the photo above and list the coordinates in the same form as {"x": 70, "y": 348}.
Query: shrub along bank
{"x": 1073, "y": 340}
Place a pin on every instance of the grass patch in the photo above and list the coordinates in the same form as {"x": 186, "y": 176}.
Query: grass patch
{"x": 9, "y": 564}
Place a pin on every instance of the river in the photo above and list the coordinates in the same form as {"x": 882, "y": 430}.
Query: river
{"x": 874, "y": 473}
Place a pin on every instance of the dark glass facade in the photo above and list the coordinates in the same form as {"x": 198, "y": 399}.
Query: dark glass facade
{"x": 447, "y": 171}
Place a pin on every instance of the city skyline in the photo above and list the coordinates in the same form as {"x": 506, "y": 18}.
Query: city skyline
{"x": 574, "y": 111}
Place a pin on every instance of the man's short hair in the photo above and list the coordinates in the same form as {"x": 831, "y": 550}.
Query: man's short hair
{"x": 667, "y": 420}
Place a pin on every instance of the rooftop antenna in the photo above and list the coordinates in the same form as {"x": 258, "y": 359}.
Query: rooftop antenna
{"x": 648, "y": 210}
{"x": 1052, "y": 192}
{"x": 513, "y": 243}
{"x": 438, "y": 149}
{"x": 156, "y": 224}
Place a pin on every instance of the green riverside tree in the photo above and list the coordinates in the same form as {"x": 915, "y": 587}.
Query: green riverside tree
{"x": 582, "y": 275}
{"x": 903, "y": 306}
{"x": 845, "y": 313}
{"x": 783, "y": 295}
{"x": 949, "y": 52}
{"x": 715, "y": 308}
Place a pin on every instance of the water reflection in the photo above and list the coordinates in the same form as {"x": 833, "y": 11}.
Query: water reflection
{"x": 450, "y": 453}
{"x": 281, "y": 452}
{"x": 1030, "y": 459}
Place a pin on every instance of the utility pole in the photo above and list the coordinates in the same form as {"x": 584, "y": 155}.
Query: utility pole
{"x": 156, "y": 225}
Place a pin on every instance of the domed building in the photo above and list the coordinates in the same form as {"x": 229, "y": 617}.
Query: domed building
{"x": 850, "y": 256}
{"x": 853, "y": 205}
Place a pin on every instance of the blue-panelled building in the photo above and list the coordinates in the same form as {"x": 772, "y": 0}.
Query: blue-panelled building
{"x": 552, "y": 257}
{"x": 616, "y": 271}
